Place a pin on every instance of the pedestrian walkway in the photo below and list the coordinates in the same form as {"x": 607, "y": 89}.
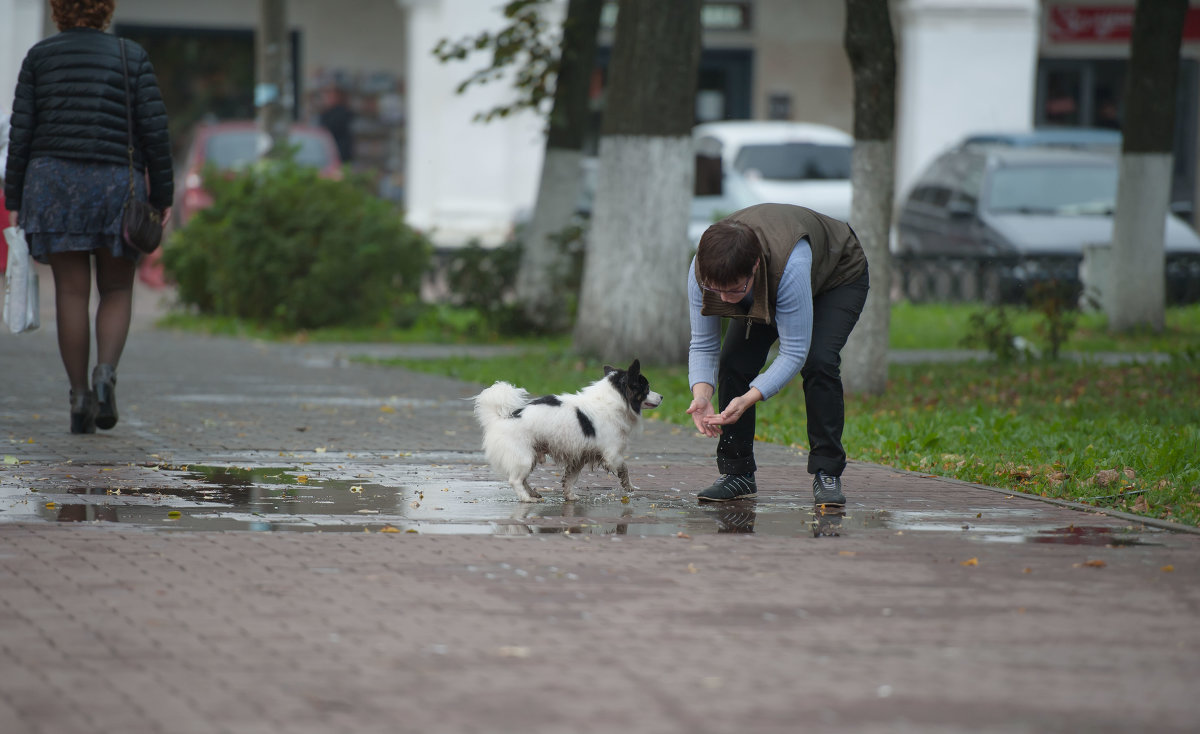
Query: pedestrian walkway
{"x": 152, "y": 579}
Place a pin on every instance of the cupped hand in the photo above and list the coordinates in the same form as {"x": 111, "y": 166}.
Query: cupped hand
{"x": 701, "y": 412}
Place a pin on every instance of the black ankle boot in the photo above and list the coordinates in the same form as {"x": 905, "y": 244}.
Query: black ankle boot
{"x": 104, "y": 384}
{"x": 83, "y": 412}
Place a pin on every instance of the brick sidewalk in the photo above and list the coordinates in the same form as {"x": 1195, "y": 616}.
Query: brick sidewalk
{"x": 1032, "y": 618}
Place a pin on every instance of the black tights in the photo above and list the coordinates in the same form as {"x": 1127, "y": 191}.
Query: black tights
{"x": 72, "y": 293}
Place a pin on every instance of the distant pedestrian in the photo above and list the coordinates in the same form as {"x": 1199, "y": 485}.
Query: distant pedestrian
{"x": 67, "y": 180}
{"x": 779, "y": 273}
{"x": 338, "y": 119}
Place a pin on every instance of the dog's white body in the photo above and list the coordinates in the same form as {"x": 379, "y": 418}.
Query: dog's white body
{"x": 578, "y": 430}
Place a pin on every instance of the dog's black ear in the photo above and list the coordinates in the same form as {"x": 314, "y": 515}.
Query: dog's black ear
{"x": 635, "y": 368}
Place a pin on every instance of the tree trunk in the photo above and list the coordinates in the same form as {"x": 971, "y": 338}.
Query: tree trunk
{"x": 633, "y": 302}
{"x": 1135, "y": 292}
{"x": 271, "y": 92}
{"x": 544, "y": 263}
{"x": 872, "y": 51}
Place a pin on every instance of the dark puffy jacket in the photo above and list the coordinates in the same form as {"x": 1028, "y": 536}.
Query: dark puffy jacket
{"x": 70, "y": 103}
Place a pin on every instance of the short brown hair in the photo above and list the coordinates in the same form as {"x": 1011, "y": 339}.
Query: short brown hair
{"x": 727, "y": 254}
{"x": 86, "y": 13}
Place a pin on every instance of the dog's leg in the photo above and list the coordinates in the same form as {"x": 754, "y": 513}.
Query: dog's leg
{"x": 520, "y": 485}
{"x": 570, "y": 476}
{"x": 622, "y": 475}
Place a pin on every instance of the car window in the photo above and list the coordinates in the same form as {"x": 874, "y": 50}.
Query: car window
{"x": 1064, "y": 189}
{"x": 932, "y": 195}
{"x": 239, "y": 148}
{"x": 795, "y": 161}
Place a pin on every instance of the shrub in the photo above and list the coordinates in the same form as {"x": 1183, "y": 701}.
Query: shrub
{"x": 282, "y": 246}
{"x": 992, "y": 329}
{"x": 1055, "y": 301}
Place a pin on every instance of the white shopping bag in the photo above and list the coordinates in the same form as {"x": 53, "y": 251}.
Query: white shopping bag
{"x": 20, "y": 285}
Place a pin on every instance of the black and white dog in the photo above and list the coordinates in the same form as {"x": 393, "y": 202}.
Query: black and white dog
{"x": 584, "y": 429}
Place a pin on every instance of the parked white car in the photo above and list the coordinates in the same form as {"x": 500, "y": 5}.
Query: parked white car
{"x": 785, "y": 162}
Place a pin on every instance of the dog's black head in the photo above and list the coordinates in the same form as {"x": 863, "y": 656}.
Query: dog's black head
{"x": 634, "y": 386}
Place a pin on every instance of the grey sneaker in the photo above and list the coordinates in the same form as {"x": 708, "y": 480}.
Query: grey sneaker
{"x": 827, "y": 490}
{"x": 730, "y": 487}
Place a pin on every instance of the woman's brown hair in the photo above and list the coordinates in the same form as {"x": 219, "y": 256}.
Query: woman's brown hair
{"x": 82, "y": 13}
{"x": 726, "y": 254}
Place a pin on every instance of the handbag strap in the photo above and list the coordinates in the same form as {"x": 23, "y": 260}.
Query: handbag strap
{"x": 128, "y": 117}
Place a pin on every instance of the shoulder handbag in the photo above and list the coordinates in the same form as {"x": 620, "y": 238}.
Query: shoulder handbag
{"x": 141, "y": 223}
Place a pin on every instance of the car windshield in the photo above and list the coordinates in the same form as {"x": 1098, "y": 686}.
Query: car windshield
{"x": 240, "y": 148}
{"x": 1053, "y": 189}
{"x": 795, "y": 161}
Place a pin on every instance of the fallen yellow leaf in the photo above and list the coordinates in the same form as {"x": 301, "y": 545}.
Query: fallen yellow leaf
{"x": 388, "y": 529}
{"x": 386, "y": 409}
{"x": 1168, "y": 568}
{"x": 303, "y": 479}
{"x": 847, "y": 553}
{"x": 174, "y": 513}
{"x": 970, "y": 562}
{"x": 1093, "y": 564}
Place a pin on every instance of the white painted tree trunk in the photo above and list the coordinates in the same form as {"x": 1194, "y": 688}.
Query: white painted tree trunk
{"x": 864, "y": 359}
{"x": 541, "y": 286}
{"x": 1135, "y": 292}
{"x": 633, "y": 302}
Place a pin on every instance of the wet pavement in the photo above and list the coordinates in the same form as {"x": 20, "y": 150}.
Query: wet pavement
{"x": 277, "y": 538}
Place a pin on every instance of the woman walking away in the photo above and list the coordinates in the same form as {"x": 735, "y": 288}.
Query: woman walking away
{"x": 68, "y": 177}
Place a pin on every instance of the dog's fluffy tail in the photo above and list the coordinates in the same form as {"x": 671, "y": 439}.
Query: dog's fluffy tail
{"x": 499, "y": 401}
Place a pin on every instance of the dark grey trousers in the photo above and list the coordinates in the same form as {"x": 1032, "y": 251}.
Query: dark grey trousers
{"x": 743, "y": 355}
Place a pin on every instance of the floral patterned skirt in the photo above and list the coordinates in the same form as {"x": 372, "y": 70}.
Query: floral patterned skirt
{"x": 75, "y": 206}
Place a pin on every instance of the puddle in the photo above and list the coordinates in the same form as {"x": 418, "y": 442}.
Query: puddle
{"x": 428, "y": 499}
{"x": 459, "y": 498}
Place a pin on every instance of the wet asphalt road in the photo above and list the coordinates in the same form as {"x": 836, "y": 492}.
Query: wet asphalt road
{"x": 275, "y": 538}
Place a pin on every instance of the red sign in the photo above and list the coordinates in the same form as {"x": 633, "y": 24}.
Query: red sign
{"x": 1103, "y": 23}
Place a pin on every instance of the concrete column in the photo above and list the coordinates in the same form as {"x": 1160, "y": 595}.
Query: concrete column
{"x": 964, "y": 66}
{"x": 465, "y": 179}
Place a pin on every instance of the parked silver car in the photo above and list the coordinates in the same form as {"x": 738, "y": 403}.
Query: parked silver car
{"x": 988, "y": 221}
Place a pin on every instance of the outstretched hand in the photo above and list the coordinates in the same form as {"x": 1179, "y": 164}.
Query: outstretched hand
{"x": 702, "y": 414}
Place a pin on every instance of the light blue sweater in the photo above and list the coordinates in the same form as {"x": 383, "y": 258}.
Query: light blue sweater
{"x": 793, "y": 319}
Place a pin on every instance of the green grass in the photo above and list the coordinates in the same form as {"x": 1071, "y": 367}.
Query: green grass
{"x": 943, "y": 326}
{"x": 438, "y": 325}
{"x": 1054, "y": 429}
{"x": 925, "y": 326}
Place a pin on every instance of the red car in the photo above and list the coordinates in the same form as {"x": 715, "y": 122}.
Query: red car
{"x": 236, "y": 144}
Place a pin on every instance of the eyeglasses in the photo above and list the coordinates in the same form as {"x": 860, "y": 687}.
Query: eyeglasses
{"x": 739, "y": 292}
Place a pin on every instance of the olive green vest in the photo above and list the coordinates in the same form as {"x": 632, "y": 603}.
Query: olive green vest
{"x": 837, "y": 256}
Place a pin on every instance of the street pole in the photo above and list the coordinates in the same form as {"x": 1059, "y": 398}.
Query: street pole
{"x": 270, "y": 91}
